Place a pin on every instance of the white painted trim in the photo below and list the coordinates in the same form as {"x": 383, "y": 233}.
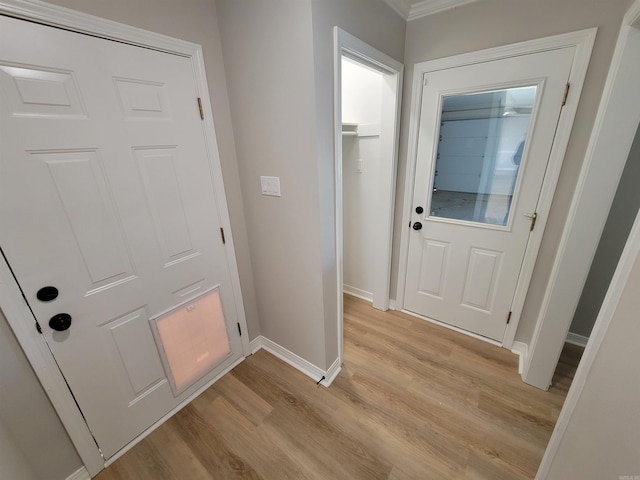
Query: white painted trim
{"x": 410, "y": 10}
{"x": 57, "y": 16}
{"x": 80, "y": 474}
{"x": 11, "y": 302}
{"x": 332, "y": 372}
{"x": 359, "y": 51}
{"x": 356, "y": 292}
{"x": 575, "y": 339}
{"x": 44, "y": 365}
{"x": 607, "y": 311}
{"x": 581, "y": 38}
{"x": 632, "y": 17}
{"x": 392, "y": 305}
{"x": 256, "y": 344}
{"x": 409, "y": 183}
{"x": 451, "y": 327}
{"x": 583, "y": 41}
{"x": 401, "y": 7}
{"x": 520, "y": 349}
{"x": 297, "y": 362}
{"x": 612, "y": 136}
{"x": 171, "y": 413}
{"x": 429, "y": 7}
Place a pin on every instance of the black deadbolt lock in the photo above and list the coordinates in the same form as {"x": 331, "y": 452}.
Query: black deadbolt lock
{"x": 46, "y": 294}
{"x": 417, "y": 226}
{"x": 60, "y": 322}
{"x": 419, "y": 210}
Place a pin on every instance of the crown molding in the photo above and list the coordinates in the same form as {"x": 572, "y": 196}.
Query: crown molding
{"x": 429, "y": 7}
{"x": 401, "y": 7}
{"x": 410, "y": 10}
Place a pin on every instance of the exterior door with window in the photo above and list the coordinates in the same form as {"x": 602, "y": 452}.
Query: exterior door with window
{"x": 485, "y": 135}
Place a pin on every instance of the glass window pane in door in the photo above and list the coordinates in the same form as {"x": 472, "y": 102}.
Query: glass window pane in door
{"x": 482, "y": 138}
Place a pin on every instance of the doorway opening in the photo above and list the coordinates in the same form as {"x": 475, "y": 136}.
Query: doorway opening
{"x": 363, "y": 170}
{"x": 367, "y": 87}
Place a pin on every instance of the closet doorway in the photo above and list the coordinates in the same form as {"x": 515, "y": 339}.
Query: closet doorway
{"x": 367, "y": 111}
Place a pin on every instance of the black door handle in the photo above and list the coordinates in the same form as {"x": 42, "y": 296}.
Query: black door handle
{"x": 46, "y": 294}
{"x": 417, "y": 226}
{"x": 60, "y": 322}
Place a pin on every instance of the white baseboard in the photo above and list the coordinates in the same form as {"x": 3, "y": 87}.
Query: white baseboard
{"x": 520, "y": 349}
{"x": 81, "y": 474}
{"x": 292, "y": 359}
{"x": 296, "y": 361}
{"x": 356, "y": 292}
{"x": 332, "y": 373}
{"x": 255, "y": 344}
{"x": 575, "y": 339}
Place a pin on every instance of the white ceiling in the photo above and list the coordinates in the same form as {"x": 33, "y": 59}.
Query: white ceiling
{"x": 412, "y": 9}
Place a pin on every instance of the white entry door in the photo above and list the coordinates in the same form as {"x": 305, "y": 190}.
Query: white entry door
{"x": 107, "y": 194}
{"x": 485, "y": 136}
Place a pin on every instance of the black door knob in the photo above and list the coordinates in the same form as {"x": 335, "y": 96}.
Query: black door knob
{"x": 419, "y": 210}
{"x": 46, "y": 294}
{"x": 417, "y": 226}
{"x": 60, "y": 322}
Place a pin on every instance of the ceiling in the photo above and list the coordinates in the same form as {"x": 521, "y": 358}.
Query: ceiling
{"x": 412, "y": 9}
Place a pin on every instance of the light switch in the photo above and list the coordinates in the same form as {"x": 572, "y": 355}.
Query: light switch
{"x": 270, "y": 186}
{"x": 360, "y": 167}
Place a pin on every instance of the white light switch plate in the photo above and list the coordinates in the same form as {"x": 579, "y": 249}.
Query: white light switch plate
{"x": 270, "y": 186}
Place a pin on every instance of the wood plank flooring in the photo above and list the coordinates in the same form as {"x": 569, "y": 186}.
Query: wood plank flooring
{"x": 413, "y": 401}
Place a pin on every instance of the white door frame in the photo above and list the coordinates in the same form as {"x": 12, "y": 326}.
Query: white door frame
{"x": 363, "y": 53}
{"x": 614, "y": 131}
{"x": 609, "y": 145}
{"x": 583, "y": 40}
{"x": 606, "y": 314}
{"x": 12, "y": 303}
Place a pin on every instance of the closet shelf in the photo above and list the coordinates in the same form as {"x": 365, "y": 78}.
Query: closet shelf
{"x": 360, "y": 129}
{"x": 350, "y": 129}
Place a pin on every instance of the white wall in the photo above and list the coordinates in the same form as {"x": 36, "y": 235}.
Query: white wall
{"x": 621, "y": 216}
{"x": 279, "y": 63}
{"x": 361, "y": 104}
{"x": 603, "y": 435}
{"x": 268, "y": 54}
{"x": 28, "y": 422}
{"x": 492, "y": 23}
{"x": 195, "y": 21}
{"x": 375, "y": 23}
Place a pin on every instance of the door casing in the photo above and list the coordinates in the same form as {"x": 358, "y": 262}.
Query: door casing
{"x": 11, "y": 302}
{"x": 613, "y": 133}
{"x": 583, "y": 40}
{"x": 359, "y": 51}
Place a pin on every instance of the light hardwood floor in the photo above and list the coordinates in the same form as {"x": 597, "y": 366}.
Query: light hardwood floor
{"x": 413, "y": 401}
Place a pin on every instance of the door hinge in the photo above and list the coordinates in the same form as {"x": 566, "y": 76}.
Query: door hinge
{"x": 239, "y": 330}
{"x": 38, "y": 327}
{"x": 509, "y": 317}
{"x": 200, "y": 108}
{"x": 222, "y": 235}
{"x": 566, "y": 94}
